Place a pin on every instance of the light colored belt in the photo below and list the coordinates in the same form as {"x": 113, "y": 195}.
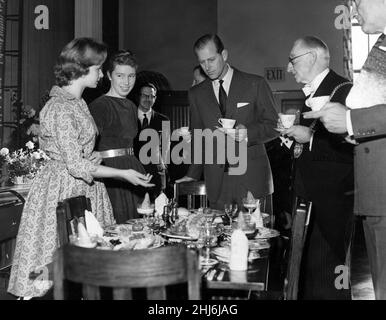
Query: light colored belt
{"x": 116, "y": 153}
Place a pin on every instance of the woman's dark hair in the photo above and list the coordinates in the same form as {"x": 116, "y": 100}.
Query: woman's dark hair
{"x": 122, "y": 57}
{"x": 76, "y": 58}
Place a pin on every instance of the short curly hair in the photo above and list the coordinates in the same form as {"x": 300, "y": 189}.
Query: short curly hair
{"x": 76, "y": 58}
{"x": 122, "y": 58}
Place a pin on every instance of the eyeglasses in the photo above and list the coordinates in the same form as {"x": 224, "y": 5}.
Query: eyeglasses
{"x": 291, "y": 60}
{"x": 147, "y": 96}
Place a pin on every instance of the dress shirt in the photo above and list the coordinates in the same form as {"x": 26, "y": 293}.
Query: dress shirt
{"x": 141, "y": 115}
{"x": 226, "y": 84}
{"x": 309, "y": 90}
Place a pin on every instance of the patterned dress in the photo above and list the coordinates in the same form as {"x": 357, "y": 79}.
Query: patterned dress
{"x": 68, "y": 135}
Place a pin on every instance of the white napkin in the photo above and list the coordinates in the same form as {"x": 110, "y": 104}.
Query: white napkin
{"x": 239, "y": 251}
{"x": 93, "y": 226}
{"x": 257, "y": 217}
{"x": 83, "y": 237}
{"x": 317, "y": 103}
{"x": 159, "y": 203}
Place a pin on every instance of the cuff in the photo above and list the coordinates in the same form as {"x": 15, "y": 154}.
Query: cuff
{"x": 350, "y": 129}
{"x": 311, "y": 140}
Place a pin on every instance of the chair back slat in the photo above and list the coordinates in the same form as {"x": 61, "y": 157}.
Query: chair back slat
{"x": 300, "y": 220}
{"x": 132, "y": 269}
{"x": 122, "y": 294}
{"x": 194, "y": 190}
{"x": 91, "y": 292}
{"x": 156, "y": 293}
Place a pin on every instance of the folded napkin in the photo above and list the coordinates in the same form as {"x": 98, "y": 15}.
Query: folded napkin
{"x": 257, "y": 218}
{"x": 84, "y": 238}
{"x": 317, "y": 103}
{"x": 160, "y": 202}
{"x": 94, "y": 229}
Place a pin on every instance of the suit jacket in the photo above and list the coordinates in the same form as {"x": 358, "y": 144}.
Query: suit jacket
{"x": 369, "y": 126}
{"x": 325, "y": 174}
{"x": 258, "y": 115}
{"x": 156, "y": 124}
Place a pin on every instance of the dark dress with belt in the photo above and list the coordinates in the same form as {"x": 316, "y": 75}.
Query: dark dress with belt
{"x": 116, "y": 119}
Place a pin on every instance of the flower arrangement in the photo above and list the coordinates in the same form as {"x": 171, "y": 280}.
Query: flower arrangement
{"x": 23, "y": 163}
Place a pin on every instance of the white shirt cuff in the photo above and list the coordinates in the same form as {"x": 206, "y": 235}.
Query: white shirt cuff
{"x": 311, "y": 140}
{"x": 350, "y": 129}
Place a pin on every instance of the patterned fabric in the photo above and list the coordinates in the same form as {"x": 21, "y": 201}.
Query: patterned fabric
{"x": 369, "y": 88}
{"x": 347, "y": 48}
{"x": 68, "y": 135}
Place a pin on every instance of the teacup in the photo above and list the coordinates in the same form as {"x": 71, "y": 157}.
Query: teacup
{"x": 287, "y": 120}
{"x": 227, "y": 123}
{"x": 184, "y": 130}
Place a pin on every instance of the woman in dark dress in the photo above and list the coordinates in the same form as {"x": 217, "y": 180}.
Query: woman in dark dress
{"x": 116, "y": 119}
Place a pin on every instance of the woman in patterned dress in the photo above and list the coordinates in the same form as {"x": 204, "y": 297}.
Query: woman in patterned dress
{"x": 68, "y": 134}
{"x": 116, "y": 119}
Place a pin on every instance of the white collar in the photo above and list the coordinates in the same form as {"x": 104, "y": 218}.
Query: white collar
{"x": 141, "y": 114}
{"x": 310, "y": 88}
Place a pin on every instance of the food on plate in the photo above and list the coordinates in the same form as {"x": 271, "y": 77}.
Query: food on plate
{"x": 183, "y": 212}
{"x": 140, "y": 240}
{"x": 137, "y": 226}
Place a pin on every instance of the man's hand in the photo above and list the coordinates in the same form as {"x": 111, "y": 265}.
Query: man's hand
{"x": 239, "y": 133}
{"x": 301, "y": 134}
{"x": 352, "y": 141}
{"x": 185, "y": 179}
{"x": 332, "y": 115}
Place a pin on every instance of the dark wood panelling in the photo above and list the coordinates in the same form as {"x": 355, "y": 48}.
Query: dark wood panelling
{"x": 42, "y": 47}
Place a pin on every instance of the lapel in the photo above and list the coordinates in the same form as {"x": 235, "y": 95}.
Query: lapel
{"x": 235, "y": 89}
{"x": 327, "y": 85}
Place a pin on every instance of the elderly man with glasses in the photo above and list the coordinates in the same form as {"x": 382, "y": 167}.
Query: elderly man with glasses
{"x": 324, "y": 172}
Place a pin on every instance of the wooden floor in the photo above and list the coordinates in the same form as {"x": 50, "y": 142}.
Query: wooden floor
{"x": 362, "y": 288}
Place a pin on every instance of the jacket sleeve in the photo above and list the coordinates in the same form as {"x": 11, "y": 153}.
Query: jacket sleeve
{"x": 195, "y": 170}
{"x": 369, "y": 123}
{"x": 262, "y": 130}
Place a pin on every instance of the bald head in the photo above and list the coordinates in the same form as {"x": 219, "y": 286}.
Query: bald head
{"x": 315, "y": 44}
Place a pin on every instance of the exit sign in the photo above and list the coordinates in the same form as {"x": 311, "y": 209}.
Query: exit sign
{"x": 274, "y": 74}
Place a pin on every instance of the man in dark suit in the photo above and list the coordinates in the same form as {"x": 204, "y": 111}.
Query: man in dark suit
{"x": 324, "y": 172}
{"x": 364, "y": 123}
{"x": 150, "y": 119}
{"x": 246, "y": 98}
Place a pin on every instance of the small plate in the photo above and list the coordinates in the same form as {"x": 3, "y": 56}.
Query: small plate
{"x": 177, "y": 236}
{"x": 266, "y": 233}
{"x": 208, "y": 262}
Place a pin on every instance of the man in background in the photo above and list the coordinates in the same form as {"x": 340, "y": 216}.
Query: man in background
{"x": 150, "y": 119}
{"x": 362, "y": 118}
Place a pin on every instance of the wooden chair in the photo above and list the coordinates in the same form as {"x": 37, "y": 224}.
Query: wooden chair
{"x": 10, "y": 214}
{"x": 69, "y": 213}
{"x": 125, "y": 270}
{"x": 300, "y": 219}
{"x": 193, "y": 190}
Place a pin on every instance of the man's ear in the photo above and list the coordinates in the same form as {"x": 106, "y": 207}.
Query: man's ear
{"x": 313, "y": 57}
{"x": 224, "y": 54}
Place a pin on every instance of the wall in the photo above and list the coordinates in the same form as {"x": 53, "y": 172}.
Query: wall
{"x": 260, "y": 33}
{"x": 162, "y": 33}
{"x": 42, "y": 47}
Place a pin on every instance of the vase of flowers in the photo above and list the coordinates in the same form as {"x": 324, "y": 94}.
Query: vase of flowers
{"x": 23, "y": 164}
